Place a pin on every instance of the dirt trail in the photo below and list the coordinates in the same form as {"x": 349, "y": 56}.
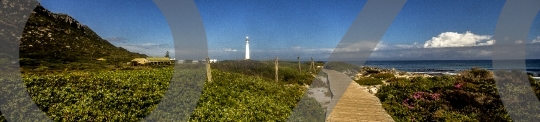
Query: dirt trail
{"x": 351, "y": 102}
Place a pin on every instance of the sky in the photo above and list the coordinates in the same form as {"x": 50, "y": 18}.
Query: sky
{"x": 423, "y": 29}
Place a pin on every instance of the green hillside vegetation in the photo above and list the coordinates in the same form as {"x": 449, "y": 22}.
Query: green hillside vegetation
{"x": 368, "y": 81}
{"x": 130, "y": 95}
{"x": 52, "y": 41}
{"x": 383, "y": 76}
{"x": 288, "y": 70}
{"x": 237, "y": 97}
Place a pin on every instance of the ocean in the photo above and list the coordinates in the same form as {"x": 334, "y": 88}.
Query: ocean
{"x": 447, "y": 66}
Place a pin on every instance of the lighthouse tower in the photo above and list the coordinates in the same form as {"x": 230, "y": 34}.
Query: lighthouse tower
{"x": 247, "y": 48}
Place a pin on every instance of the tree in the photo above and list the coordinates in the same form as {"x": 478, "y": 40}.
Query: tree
{"x": 167, "y": 54}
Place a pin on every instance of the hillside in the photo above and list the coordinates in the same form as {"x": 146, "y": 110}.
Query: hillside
{"x": 58, "y": 41}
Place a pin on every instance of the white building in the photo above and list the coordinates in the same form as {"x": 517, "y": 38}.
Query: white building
{"x": 211, "y": 60}
{"x": 247, "y": 48}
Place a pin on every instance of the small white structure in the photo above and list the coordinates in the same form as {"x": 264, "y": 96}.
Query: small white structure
{"x": 247, "y": 48}
{"x": 211, "y": 60}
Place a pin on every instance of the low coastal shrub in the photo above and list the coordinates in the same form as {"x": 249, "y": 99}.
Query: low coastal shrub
{"x": 130, "y": 95}
{"x": 369, "y": 70}
{"x": 2, "y": 119}
{"x": 123, "y": 95}
{"x": 237, "y": 97}
{"x": 368, "y": 81}
{"x": 341, "y": 66}
{"x": 472, "y": 95}
{"x": 288, "y": 71}
{"x": 395, "y": 79}
{"x": 383, "y": 75}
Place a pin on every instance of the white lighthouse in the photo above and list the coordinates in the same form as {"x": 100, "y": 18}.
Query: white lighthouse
{"x": 247, "y": 48}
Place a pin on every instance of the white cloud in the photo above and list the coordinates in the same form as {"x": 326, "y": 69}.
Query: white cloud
{"x": 361, "y": 46}
{"x": 319, "y": 50}
{"x": 150, "y": 52}
{"x": 309, "y": 50}
{"x": 152, "y": 44}
{"x": 116, "y": 39}
{"x": 381, "y": 46}
{"x": 407, "y": 46}
{"x": 453, "y": 39}
{"x": 230, "y": 50}
{"x": 150, "y": 49}
{"x": 537, "y": 40}
{"x": 297, "y": 48}
{"x": 519, "y": 42}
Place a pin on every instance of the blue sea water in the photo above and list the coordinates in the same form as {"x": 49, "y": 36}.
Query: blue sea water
{"x": 532, "y": 65}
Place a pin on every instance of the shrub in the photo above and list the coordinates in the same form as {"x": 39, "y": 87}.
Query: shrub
{"x": 288, "y": 71}
{"x": 234, "y": 96}
{"x": 383, "y": 75}
{"x": 2, "y": 119}
{"x": 123, "y": 95}
{"x": 395, "y": 79}
{"x": 369, "y": 81}
{"x": 470, "y": 96}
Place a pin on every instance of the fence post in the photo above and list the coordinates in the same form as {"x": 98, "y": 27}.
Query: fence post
{"x": 208, "y": 70}
{"x": 276, "y": 66}
{"x": 312, "y": 67}
{"x": 299, "y": 68}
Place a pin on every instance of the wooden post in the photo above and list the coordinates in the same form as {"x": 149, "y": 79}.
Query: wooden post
{"x": 208, "y": 70}
{"x": 299, "y": 67}
{"x": 312, "y": 66}
{"x": 276, "y": 65}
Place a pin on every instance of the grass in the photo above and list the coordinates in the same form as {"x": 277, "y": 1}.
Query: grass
{"x": 369, "y": 81}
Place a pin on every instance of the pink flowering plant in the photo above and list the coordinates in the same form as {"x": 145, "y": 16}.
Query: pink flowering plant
{"x": 470, "y": 96}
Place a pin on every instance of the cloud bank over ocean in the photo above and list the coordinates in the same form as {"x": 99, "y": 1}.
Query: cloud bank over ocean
{"x": 448, "y": 46}
{"x": 445, "y": 46}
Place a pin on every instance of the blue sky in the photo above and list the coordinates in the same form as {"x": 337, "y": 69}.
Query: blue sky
{"x": 287, "y": 29}
{"x": 136, "y": 25}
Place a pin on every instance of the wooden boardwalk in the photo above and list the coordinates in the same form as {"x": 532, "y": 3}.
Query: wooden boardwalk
{"x": 352, "y": 104}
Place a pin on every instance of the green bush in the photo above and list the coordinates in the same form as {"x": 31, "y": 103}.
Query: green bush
{"x": 127, "y": 95}
{"x": 395, "y": 79}
{"x": 131, "y": 94}
{"x": 368, "y": 81}
{"x": 383, "y": 75}
{"x": 237, "y": 97}
{"x": 2, "y": 119}
{"x": 287, "y": 72}
{"x": 471, "y": 96}
{"x": 308, "y": 110}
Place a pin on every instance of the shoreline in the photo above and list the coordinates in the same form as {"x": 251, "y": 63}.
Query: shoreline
{"x": 440, "y": 72}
